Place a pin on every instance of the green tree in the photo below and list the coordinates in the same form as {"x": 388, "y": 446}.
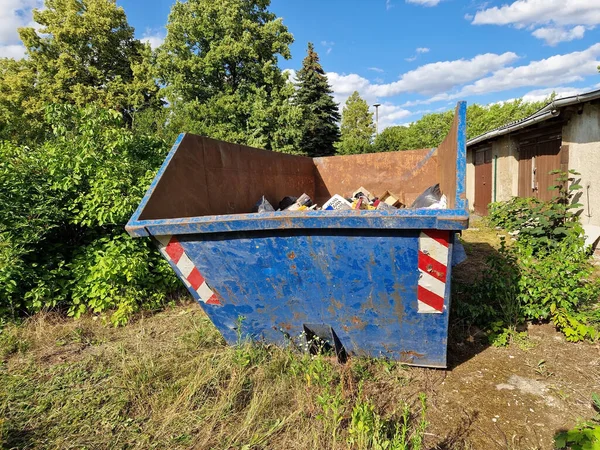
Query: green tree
{"x": 63, "y": 207}
{"x": 392, "y": 139}
{"x": 431, "y": 129}
{"x": 17, "y": 99}
{"x": 320, "y": 115}
{"x": 85, "y": 52}
{"x": 219, "y": 68}
{"x": 481, "y": 119}
{"x": 357, "y": 126}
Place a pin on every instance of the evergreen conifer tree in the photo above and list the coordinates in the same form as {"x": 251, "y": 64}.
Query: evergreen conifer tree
{"x": 320, "y": 130}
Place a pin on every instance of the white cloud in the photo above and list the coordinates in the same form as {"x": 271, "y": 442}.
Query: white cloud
{"x": 16, "y": 51}
{"x": 290, "y": 74}
{"x": 419, "y": 50}
{"x": 388, "y": 4}
{"x": 376, "y": 69}
{"x": 539, "y": 95}
{"x": 390, "y": 115}
{"x": 155, "y": 39}
{"x": 433, "y": 78}
{"x": 523, "y": 13}
{"x": 553, "y": 35}
{"x": 551, "y": 71}
{"x": 328, "y": 45}
{"x": 345, "y": 85}
{"x": 424, "y": 2}
{"x": 450, "y": 80}
{"x": 550, "y": 18}
{"x": 13, "y": 15}
{"x": 430, "y": 79}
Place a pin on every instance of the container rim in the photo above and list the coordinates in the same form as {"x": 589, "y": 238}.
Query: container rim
{"x": 443, "y": 219}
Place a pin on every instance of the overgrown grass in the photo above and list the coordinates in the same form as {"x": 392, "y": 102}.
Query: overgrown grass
{"x": 171, "y": 382}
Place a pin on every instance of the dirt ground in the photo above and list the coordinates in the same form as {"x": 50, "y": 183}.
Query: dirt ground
{"x": 515, "y": 398}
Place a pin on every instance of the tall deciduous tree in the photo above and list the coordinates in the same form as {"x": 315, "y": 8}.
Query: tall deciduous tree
{"x": 320, "y": 129}
{"x": 357, "y": 126}
{"x": 219, "y": 67}
{"x": 85, "y": 51}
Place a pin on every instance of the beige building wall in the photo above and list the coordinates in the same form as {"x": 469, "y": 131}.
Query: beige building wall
{"x": 470, "y": 179}
{"x": 582, "y": 135}
{"x": 505, "y": 155}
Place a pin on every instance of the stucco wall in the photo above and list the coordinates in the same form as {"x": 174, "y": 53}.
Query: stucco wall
{"x": 507, "y": 171}
{"x": 504, "y": 154}
{"x": 582, "y": 135}
{"x": 470, "y": 179}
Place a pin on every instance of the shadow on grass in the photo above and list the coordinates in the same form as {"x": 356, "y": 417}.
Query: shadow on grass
{"x": 466, "y": 335}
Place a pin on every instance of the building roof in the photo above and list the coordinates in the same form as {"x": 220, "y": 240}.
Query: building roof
{"x": 549, "y": 111}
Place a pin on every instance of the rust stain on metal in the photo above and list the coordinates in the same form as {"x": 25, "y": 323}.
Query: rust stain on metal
{"x": 359, "y": 323}
{"x": 430, "y": 270}
{"x": 409, "y": 354}
{"x": 285, "y": 326}
{"x": 205, "y": 171}
{"x": 298, "y": 316}
{"x": 405, "y": 172}
{"x": 334, "y": 307}
{"x": 291, "y": 255}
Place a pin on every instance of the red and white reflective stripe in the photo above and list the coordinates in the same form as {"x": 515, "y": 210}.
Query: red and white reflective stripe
{"x": 433, "y": 269}
{"x": 171, "y": 249}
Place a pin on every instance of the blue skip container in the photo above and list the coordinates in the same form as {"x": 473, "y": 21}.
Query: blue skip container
{"x": 366, "y": 282}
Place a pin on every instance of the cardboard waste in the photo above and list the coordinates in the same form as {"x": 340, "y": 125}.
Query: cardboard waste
{"x": 362, "y": 199}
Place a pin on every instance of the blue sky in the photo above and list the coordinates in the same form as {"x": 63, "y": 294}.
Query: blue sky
{"x": 415, "y": 56}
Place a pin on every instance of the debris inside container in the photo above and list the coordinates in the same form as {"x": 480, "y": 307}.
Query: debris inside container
{"x": 362, "y": 192}
{"x": 337, "y": 202}
{"x": 390, "y": 199}
{"x": 431, "y": 198}
{"x": 263, "y": 205}
{"x": 286, "y": 202}
{"x": 303, "y": 203}
{"x": 362, "y": 199}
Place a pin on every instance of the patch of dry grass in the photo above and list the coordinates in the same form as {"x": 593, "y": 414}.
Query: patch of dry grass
{"x": 169, "y": 381}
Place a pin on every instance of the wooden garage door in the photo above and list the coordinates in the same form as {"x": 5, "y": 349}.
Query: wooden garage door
{"x": 483, "y": 181}
{"x": 537, "y": 157}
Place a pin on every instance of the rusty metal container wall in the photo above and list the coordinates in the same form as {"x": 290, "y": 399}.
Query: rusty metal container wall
{"x": 406, "y": 173}
{"x": 210, "y": 177}
{"x": 374, "y": 283}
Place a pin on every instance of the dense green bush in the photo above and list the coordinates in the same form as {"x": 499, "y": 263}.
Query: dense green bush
{"x": 540, "y": 224}
{"x": 512, "y": 214}
{"x": 63, "y": 206}
{"x": 546, "y": 274}
{"x": 556, "y": 283}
